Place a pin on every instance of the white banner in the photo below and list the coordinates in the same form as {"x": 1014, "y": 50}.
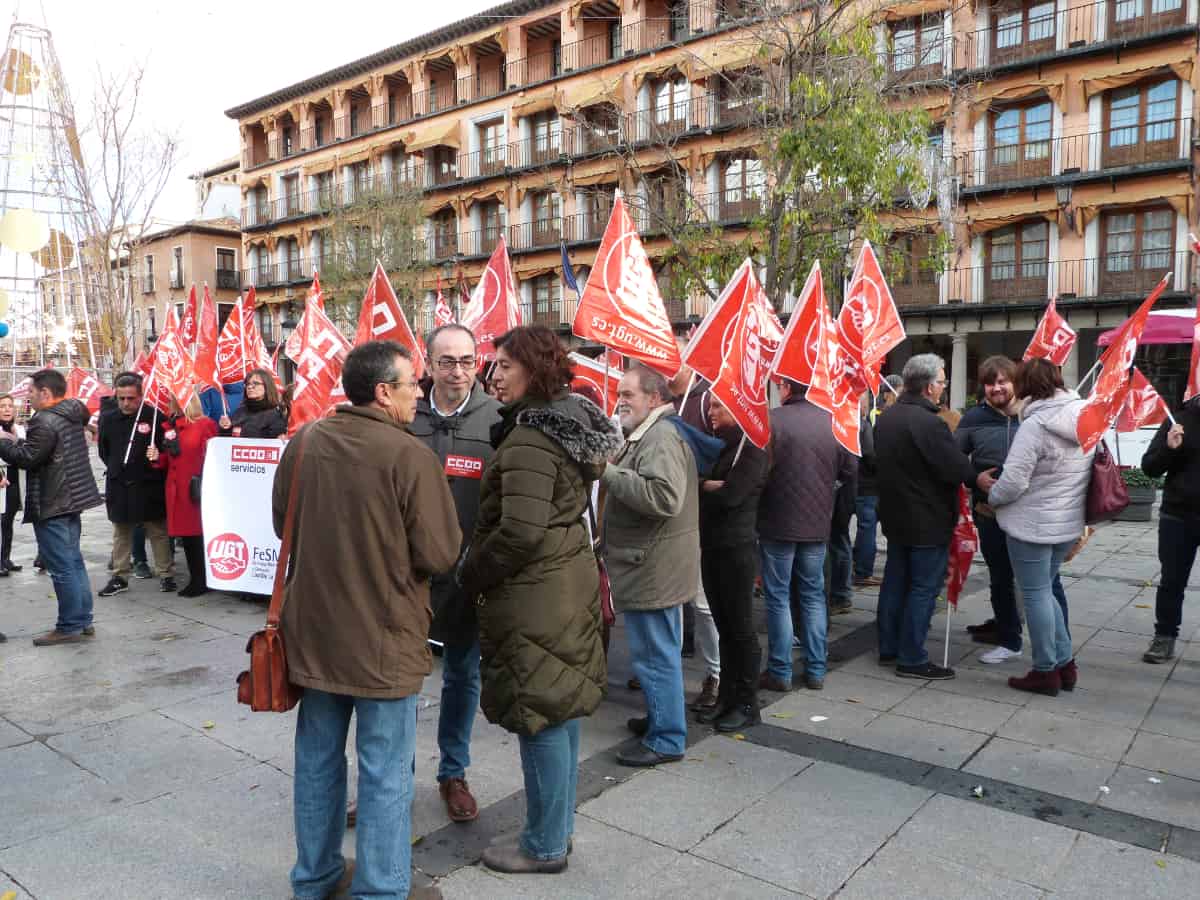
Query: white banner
{"x": 240, "y": 547}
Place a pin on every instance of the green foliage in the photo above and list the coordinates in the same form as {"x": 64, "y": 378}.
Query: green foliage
{"x": 1134, "y": 477}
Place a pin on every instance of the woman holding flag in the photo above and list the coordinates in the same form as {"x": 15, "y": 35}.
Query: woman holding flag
{"x": 186, "y": 439}
{"x": 1040, "y": 502}
{"x": 259, "y": 415}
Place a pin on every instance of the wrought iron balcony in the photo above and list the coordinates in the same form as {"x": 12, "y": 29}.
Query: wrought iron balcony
{"x": 228, "y": 280}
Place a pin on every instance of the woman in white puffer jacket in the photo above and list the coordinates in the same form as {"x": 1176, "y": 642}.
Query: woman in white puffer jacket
{"x": 1040, "y": 501}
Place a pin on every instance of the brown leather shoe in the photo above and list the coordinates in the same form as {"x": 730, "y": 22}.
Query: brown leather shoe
{"x": 53, "y": 638}
{"x": 707, "y": 698}
{"x": 510, "y": 858}
{"x": 460, "y": 805}
{"x": 768, "y": 682}
{"x": 352, "y": 814}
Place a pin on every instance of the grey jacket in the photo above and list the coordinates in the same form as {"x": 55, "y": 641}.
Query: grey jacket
{"x": 55, "y": 454}
{"x": 1041, "y": 496}
{"x": 652, "y": 519}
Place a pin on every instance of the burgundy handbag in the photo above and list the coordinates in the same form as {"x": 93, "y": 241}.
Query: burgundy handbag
{"x": 264, "y": 687}
{"x": 1107, "y": 494}
{"x": 607, "y": 614}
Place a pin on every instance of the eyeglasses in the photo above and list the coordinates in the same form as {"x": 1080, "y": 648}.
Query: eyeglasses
{"x": 257, "y": 384}
{"x": 449, "y": 363}
{"x": 411, "y": 385}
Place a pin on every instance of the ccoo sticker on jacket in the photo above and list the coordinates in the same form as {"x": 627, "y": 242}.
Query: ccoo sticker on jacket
{"x": 464, "y": 466}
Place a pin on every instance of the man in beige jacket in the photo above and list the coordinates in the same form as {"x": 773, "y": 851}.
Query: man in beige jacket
{"x": 373, "y": 521}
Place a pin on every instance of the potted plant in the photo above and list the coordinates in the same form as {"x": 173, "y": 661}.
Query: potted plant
{"x": 1142, "y": 490}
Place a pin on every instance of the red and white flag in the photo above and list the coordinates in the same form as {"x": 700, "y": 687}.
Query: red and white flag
{"x": 171, "y": 364}
{"x": 191, "y": 318}
{"x": 235, "y": 345}
{"x": 321, "y": 351}
{"x": 1053, "y": 338}
{"x": 495, "y": 305}
{"x": 963, "y": 547}
{"x": 593, "y": 373}
{"x": 1193, "y": 382}
{"x": 869, "y": 325}
{"x": 801, "y": 345}
{"x": 85, "y": 386}
{"x": 1112, "y": 384}
{"x": 441, "y": 309}
{"x": 1143, "y": 405}
{"x": 382, "y": 319}
{"x": 315, "y": 294}
{"x": 205, "y": 359}
{"x": 834, "y": 387}
{"x": 621, "y": 306}
{"x": 734, "y": 348}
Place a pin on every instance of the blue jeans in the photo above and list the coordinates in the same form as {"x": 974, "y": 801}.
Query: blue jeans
{"x": 794, "y": 567}
{"x": 460, "y": 700}
{"x": 655, "y": 642}
{"x": 386, "y": 738}
{"x": 912, "y": 579}
{"x": 58, "y": 546}
{"x": 841, "y": 591}
{"x": 1036, "y": 568}
{"x": 550, "y": 761}
{"x": 866, "y": 513}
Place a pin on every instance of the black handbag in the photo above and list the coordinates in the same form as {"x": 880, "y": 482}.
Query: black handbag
{"x": 194, "y": 489}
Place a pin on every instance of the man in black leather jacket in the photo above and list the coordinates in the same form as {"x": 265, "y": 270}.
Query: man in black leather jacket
{"x": 60, "y": 487}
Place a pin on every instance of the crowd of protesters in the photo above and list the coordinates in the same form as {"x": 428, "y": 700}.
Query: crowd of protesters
{"x": 484, "y": 522}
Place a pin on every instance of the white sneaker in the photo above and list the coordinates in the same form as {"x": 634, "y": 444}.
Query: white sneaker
{"x": 998, "y": 655}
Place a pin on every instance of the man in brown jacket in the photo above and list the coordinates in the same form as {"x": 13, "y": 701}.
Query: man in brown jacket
{"x": 373, "y": 521}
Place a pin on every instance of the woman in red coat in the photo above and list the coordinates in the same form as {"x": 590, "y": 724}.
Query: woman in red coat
{"x": 185, "y": 440}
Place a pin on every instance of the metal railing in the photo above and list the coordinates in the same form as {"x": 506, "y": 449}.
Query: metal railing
{"x": 228, "y": 280}
{"x": 592, "y": 51}
{"x": 536, "y": 151}
{"x": 147, "y": 284}
{"x": 399, "y": 108}
{"x": 435, "y": 99}
{"x": 482, "y": 163}
{"x": 482, "y": 85}
{"x": 533, "y": 68}
{"x": 540, "y": 233}
{"x": 1131, "y": 145}
{"x": 481, "y": 242}
{"x": 1066, "y": 28}
{"x": 176, "y": 281}
{"x": 647, "y": 34}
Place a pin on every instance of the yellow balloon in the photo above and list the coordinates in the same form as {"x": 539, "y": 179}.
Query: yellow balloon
{"x": 3, "y": 303}
{"x": 24, "y": 230}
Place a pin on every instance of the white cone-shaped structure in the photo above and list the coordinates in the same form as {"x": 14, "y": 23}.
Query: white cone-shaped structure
{"x": 43, "y": 216}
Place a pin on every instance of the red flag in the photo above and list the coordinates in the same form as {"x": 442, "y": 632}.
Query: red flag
{"x": 382, "y": 319}
{"x": 797, "y": 355}
{"x": 1193, "y": 382}
{"x": 1195, "y": 242}
{"x": 869, "y": 324}
{"x": 207, "y": 370}
{"x": 833, "y": 388}
{"x": 441, "y": 309}
{"x": 1053, "y": 339}
{"x": 86, "y": 387}
{"x": 1112, "y": 384}
{"x": 314, "y": 293}
{"x": 322, "y": 350}
{"x": 187, "y": 328}
{"x": 734, "y": 348}
{"x": 172, "y": 364}
{"x": 615, "y": 359}
{"x": 1143, "y": 406}
{"x": 235, "y": 347}
{"x": 963, "y": 546}
{"x": 495, "y": 305}
{"x": 592, "y": 372}
{"x": 141, "y": 364}
{"x": 621, "y": 306}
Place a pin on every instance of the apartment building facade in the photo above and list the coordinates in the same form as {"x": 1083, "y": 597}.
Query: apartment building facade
{"x": 1066, "y": 131}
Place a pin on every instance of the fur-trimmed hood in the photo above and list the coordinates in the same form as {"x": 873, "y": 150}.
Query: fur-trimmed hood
{"x": 577, "y": 425}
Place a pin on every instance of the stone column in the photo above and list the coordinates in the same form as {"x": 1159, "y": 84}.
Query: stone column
{"x": 958, "y": 371}
{"x": 1070, "y": 369}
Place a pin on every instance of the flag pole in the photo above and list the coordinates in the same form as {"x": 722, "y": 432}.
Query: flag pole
{"x": 606, "y": 367}
{"x": 738, "y": 454}
{"x": 1117, "y": 442}
{"x": 946, "y": 647}
{"x": 1079, "y": 384}
{"x": 141, "y": 406}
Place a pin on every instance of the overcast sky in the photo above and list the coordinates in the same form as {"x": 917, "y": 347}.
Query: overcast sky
{"x": 203, "y": 58}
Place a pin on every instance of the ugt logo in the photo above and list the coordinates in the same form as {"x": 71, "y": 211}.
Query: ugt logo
{"x": 227, "y": 556}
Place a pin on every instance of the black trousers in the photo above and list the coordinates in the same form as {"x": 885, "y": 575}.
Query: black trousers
{"x": 6, "y": 534}
{"x": 193, "y": 550}
{"x": 728, "y": 574}
{"x": 1178, "y": 540}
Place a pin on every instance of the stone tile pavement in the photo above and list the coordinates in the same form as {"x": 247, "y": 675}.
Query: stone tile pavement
{"x": 127, "y": 768}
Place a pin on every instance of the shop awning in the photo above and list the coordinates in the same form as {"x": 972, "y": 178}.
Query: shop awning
{"x": 1164, "y": 326}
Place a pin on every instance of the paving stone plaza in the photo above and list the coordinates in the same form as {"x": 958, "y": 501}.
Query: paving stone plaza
{"x": 128, "y": 770}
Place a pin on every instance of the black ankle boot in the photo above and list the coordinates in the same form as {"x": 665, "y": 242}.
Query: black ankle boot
{"x": 708, "y": 716}
{"x": 738, "y": 717}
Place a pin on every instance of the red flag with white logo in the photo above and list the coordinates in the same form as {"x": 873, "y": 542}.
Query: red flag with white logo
{"x": 1112, "y": 384}
{"x": 797, "y": 355}
{"x": 441, "y": 309}
{"x": 321, "y": 350}
{"x": 869, "y": 325}
{"x": 190, "y": 322}
{"x": 963, "y": 547}
{"x": 1193, "y": 382}
{"x": 315, "y": 294}
{"x": 171, "y": 363}
{"x": 495, "y": 305}
{"x": 207, "y": 370}
{"x": 382, "y": 319}
{"x": 734, "y": 348}
{"x": 1053, "y": 339}
{"x": 235, "y": 348}
{"x": 86, "y": 387}
{"x": 1143, "y": 406}
{"x": 833, "y": 387}
{"x": 593, "y": 373}
{"x": 621, "y": 306}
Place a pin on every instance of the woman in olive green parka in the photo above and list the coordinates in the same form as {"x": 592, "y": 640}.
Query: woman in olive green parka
{"x": 531, "y": 565}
